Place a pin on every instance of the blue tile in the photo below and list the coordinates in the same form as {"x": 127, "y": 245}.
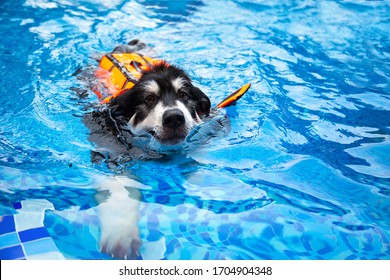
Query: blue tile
{"x": 33, "y": 234}
{"x": 11, "y": 253}
{"x": 7, "y": 224}
{"x": 8, "y": 240}
{"x": 17, "y": 205}
{"x": 40, "y": 246}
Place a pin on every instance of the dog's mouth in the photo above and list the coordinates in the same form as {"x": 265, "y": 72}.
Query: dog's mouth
{"x": 169, "y": 136}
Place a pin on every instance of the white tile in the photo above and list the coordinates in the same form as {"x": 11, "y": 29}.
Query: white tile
{"x": 47, "y": 256}
{"x": 32, "y": 214}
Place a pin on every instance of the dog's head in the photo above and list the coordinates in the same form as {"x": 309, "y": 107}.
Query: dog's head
{"x": 163, "y": 103}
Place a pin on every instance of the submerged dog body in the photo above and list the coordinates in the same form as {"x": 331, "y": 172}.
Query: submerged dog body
{"x": 163, "y": 105}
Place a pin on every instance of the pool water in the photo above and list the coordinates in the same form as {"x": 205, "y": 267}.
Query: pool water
{"x": 303, "y": 174}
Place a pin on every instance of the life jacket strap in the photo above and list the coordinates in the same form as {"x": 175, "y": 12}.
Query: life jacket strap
{"x": 120, "y": 71}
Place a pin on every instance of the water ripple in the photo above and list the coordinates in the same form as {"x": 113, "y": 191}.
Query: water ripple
{"x": 304, "y": 170}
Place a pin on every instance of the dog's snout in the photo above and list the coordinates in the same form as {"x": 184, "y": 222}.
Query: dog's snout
{"x": 173, "y": 118}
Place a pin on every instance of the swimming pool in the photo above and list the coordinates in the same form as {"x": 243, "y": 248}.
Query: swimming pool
{"x": 303, "y": 174}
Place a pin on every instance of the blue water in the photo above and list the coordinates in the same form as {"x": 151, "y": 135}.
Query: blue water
{"x": 304, "y": 172}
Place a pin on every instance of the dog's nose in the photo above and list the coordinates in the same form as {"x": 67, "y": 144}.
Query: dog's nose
{"x": 173, "y": 118}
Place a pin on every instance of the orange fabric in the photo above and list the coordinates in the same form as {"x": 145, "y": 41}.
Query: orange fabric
{"x": 234, "y": 96}
{"x": 119, "y": 71}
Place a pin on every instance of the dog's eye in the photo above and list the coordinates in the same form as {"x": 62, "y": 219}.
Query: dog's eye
{"x": 181, "y": 94}
{"x": 150, "y": 98}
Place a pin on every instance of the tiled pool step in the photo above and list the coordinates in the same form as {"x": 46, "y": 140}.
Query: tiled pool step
{"x": 23, "y": 235}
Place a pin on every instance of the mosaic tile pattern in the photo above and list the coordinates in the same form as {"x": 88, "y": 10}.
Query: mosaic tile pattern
{"x": 187, "y": 232}
{"x": 190, "y": 217}
{"x": 23, "y": 235}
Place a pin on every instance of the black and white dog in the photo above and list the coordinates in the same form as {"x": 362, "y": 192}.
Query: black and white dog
{"x": 164, "y": 106}
{"x": 163, "y": 103}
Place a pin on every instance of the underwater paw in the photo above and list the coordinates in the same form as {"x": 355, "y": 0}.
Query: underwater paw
{"x": 127, "y": 248}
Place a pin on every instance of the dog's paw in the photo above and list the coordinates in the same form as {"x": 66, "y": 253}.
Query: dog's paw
{"x": 118, "y": 216}
{"x": 119, "y": 232}
{"x": 120, "y": 240}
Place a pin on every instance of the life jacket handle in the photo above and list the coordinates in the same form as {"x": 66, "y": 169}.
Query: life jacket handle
{"x": 232, "y": 98}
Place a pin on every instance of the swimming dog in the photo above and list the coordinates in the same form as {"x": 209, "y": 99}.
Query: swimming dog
{"x": 161, "y": 102}
{"x": 162, "y": 105}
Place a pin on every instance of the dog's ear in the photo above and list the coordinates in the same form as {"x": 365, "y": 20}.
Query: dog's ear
{"x": 120, "y": 105}
{"x": 203, "y": 103}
